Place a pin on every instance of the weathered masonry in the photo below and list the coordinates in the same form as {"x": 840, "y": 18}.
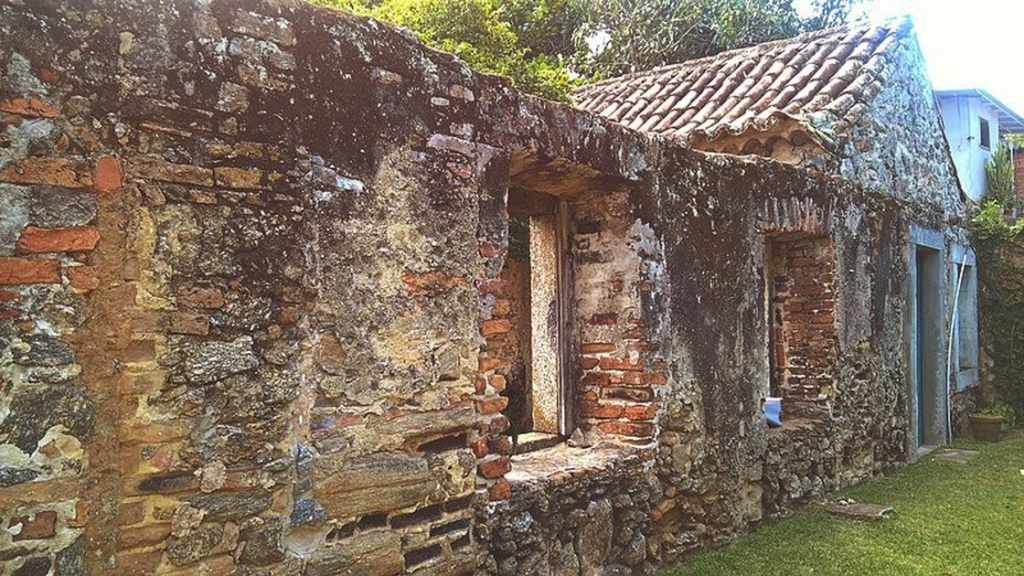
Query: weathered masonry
{"x": 284, "y": 292}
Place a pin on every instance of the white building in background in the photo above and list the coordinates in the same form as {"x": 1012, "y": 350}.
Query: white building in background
{"x": 975, "y": 121}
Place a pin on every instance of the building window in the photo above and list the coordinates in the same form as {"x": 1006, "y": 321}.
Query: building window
{"x": 564, "y": 342}
{"x": 802, "y": 337}
{"x": 533, "y": 352}
{"x": 986, "y": 134}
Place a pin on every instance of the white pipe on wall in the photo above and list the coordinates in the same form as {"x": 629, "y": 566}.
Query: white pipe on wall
{"x": 949, "y": 349}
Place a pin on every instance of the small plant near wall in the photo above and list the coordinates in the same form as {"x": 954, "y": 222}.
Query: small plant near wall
{"x": 999, "y": 246}
{"x": 999, "y": 180}
{"x": 988, "y": 423}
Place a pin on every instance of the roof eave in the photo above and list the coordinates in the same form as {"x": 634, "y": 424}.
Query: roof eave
{"x": 1009, "y": 121}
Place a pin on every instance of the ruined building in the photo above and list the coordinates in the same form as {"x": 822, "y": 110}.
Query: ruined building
{"x": 286, "y": 292}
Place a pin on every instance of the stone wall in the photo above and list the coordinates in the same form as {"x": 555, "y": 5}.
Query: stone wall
{"x": 621, "y": 370}
{"x": 717, "y": 459}
{"x": 897, "y": 144}
{"x": 252, "y": 305}
{"x": 572, "y": 513}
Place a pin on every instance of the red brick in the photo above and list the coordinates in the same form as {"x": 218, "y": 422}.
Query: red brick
{"x": 627, "y": 378}
{"x": 500, "y": 445}
{"x": 495, "y": 425}
{"x": 502, "y": 307}
{"x": 139, "y": 351}
{"x": 81, "y": 514}
{"x": 9, "y": 296}
{"x": 488, "y": 364}
{"x": 480, "y": 447}
{"x": 657, "y": 378}
{"x": 145, "y": 320}
{"x": 41, "y": 525}
{"x": 496, "y": 287}
{"x": 148, "y": 535}
{"x": 616, "y": 364}
{"x": 194, "y": 323}
{"x": 131, "y": 513}
{"x": 25, "y": 271}
{"x": 495, "y": 466}
{"x": 488, "y": 250}
{"x": 82, "y": 278}
{"x": 498, "y": 382}
{"x": 597, "y": 348}
{"x": 200, "y": 297}
{"x": 644, "y": 412}
{"x": 590, "y": 410}
{"x": 48, "y": 240}
{"x": 500, "y": 490}
{"x": 595, "y": 379}
{"x": 430, "y": 284}
{"x": 609, "y": 319}
{"x": 52, "y": 171}
{"x": 634, "y": 429}
{"x": 491, "y": 405}
{"x": 588, "y": 363}
{"x": 492, "y": 327}
{"x": 107, "y": 177}
{"x": 32, "y": 107}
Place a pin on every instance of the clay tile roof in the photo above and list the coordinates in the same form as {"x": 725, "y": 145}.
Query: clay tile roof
{"x": 828, "y": 74}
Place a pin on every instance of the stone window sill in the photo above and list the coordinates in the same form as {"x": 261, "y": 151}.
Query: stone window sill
{"x": 560, "y": 463}
{"x": 797, "y": 424}
{"x": 534, "y": 441}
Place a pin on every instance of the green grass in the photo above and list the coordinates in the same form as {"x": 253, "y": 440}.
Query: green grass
{"x": 949, "y": 519}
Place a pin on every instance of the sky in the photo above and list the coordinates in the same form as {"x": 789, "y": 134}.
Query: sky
{"x": 966, "y": 43}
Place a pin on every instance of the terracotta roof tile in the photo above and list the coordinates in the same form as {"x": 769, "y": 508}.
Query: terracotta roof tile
{"x": 834, "y": 71}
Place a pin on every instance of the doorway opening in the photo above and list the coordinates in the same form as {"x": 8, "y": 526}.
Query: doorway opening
{"x": 927, "y": 350}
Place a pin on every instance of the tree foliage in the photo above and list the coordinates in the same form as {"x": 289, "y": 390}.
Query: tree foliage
{"x": 547, "y": 47}
{"x": 999, "y": 246}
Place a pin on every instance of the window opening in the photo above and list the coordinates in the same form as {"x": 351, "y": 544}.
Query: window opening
{"x": 802, "y": 330}
{"x": 536, "y": 283}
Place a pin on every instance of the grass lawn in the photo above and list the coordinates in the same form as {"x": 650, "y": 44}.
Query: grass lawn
{"x": 949, "y": 518}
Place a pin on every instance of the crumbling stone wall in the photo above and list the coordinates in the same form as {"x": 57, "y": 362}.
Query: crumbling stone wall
{"x": 720, "y": 464}
{"x": 251, "y": 253}
{"x": 621, "y": 370}
{"x": 568, "y": 518}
